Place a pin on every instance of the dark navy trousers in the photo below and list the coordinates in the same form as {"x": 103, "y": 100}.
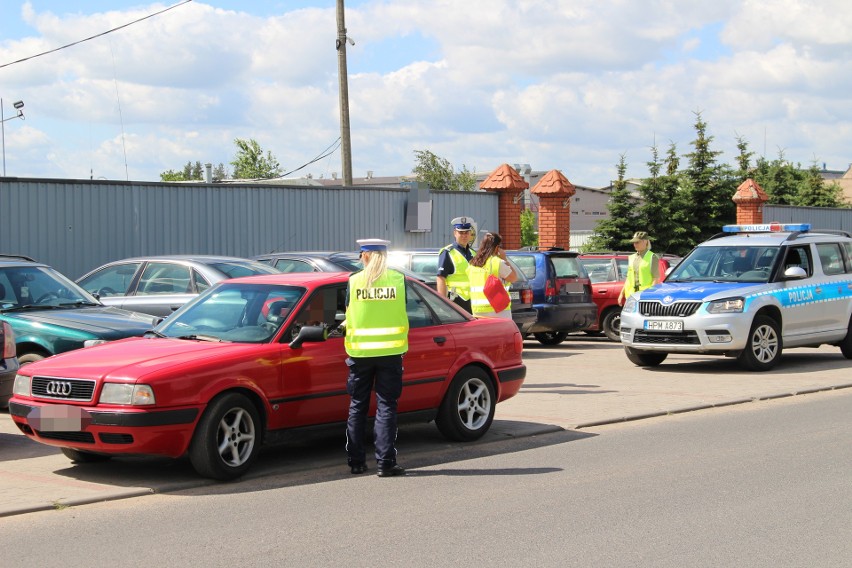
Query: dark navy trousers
{"x": 384, "y": 374}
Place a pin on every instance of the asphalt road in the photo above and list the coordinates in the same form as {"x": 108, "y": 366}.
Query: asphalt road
{"x": 763, "y": 484}
{"x": 573, "y": 387}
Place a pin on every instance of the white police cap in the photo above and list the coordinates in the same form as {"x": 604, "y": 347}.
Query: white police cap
{"x": 373, "y": 244}
{"x": 463, "y": 223}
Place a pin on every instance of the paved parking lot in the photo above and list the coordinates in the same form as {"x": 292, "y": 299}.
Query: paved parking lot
{"x": 574, "y": 386}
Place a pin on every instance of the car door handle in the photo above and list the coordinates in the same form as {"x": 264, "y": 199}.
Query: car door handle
{"x": 439, "y": 340}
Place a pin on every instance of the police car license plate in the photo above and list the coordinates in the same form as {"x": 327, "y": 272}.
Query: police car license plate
{"x": 664, "y": 325}
{"x": 515, "y": 295}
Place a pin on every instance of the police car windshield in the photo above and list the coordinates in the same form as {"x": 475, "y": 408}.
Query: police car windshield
{"x": 726, "y": 264}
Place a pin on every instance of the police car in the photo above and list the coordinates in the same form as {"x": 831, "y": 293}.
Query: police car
{"x": 748, "y": 293}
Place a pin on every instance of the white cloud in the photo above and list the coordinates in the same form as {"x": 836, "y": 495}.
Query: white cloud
{"x": 567, "y": 84}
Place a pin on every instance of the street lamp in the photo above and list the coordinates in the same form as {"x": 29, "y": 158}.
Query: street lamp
{"x": 19, "y": 106}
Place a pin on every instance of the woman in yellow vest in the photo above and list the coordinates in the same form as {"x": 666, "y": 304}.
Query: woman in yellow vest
{"x": 643, "y": 267}
{"x": 489, "y": 261}
{"x": 376, "y": 340}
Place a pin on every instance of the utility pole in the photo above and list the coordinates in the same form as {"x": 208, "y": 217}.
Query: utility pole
{"x": 345, "y": 143}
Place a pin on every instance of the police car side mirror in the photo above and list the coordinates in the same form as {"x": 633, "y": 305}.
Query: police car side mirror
{"x": 795, "y": 273}
{"x": 310, "y": 334}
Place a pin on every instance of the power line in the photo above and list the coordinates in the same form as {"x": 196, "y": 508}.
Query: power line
{"x": 97, "y": 35}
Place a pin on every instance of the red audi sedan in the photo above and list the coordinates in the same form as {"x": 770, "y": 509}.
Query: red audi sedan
{"x": 254, "y": 357}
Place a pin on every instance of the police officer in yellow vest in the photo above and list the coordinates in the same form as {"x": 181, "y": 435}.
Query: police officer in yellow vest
{"x": 376, "y": 340}
{"x": 643, "y": 267}
{"x": 452, "y": 263}
{"x": 489, "y": 261}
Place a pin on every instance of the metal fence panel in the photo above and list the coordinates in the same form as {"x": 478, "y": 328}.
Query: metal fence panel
{"x": 77, "y": 225}
{"x": 818, "y": 217}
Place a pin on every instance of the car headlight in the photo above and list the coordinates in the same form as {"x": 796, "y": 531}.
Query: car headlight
{"x": 726, "y": 306}
{"x": 125, "y": 393}
{"x": 630, "y": 305}
{"x": 93, "y": 342}
{"x": 22, "y": 385}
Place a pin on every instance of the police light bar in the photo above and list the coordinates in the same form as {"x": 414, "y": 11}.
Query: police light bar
{"x": 768, "y": 228}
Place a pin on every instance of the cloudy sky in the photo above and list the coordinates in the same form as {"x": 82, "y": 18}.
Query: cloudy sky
{"x": 559, "y": 84}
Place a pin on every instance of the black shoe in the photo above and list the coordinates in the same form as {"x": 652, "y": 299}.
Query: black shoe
{"x": 358, "y": 468}
{"x": 391, "y": 471}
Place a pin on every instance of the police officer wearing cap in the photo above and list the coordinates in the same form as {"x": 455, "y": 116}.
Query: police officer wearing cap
{"x": 643, "y": 267}
{"x": 453, "y": 261}
{"x": 376, "y": 339}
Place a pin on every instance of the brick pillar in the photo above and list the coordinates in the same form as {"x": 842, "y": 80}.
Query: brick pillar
{"x": 554, "y": 193}
{"x": 510, "y": 187}
{"x": 750, "y": 198}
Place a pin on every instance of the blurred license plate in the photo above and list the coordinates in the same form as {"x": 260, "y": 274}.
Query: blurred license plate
{"x": 664, "y": 325}
{"x": 59, "y": 418}
{"x": 515, "y": 295}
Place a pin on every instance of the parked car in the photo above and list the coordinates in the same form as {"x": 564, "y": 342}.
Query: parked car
{"x": 50, "y": 314}
{"x": 562, "y": 292}
{"x": 421, "y": 264}
{"x": 749, "y": 293}
{"x": 158, "y": 285}
{"x": 8, "y": 363}
{"x": 254, "y": 358}
{"x": 607, "y": 272}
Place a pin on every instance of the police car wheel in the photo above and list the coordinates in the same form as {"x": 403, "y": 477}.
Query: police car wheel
{"x": 764, "y": 345}
{"x": 468, "y": 407}
{"x": 79, "y": 456}
{"x": 645, "y": 358}
{"x": 611, "y": 324}
{"x": 846, "y": 344}
{"x": 550, "y": 337}
{"x": 227, "y": 438}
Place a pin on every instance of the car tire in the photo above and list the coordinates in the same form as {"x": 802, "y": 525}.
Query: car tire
{"x": 550, "y": 337}
{"x": 468, "y": 407}
{"x": 645, "y": 358}
{"x": 227, "y": 439}
{"x": 611, "y": 324}
{"x": 79, "y": 456}
{"x": 846, "y": 344}
{"x": 28, "y": 358}
{"x": 764, "y": 345}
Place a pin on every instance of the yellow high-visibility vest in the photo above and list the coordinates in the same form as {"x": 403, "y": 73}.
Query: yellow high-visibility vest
{"x": 376, "y": 320}
{"x": 458, "y": 281}
{"x": 479, "y": 304}
{"x": 645, "y": 277}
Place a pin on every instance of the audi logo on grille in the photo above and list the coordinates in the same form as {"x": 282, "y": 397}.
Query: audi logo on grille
{"x": 58, "y": 388}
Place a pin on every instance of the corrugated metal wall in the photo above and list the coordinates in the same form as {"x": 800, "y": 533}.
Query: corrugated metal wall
{"x": 818, "y": 217}
{"x": 75, "y": 226}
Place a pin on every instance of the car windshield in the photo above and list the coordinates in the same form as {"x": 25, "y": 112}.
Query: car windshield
{"x": 726, "y": 264}
{"x": 239, "y": 269}
{"x": 600, "y": 269}
{"x": 39, "y": 287}
{"x": 241, "y": 313}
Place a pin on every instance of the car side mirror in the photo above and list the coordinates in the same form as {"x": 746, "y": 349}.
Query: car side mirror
{"x": 795, "y": 273}
{"x": 310, "y": 334}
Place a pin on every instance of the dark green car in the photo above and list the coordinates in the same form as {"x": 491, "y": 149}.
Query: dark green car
{"x": 50, "y": 314}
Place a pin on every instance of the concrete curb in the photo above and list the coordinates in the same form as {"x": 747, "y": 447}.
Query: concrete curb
{"x": 708, "y": 406}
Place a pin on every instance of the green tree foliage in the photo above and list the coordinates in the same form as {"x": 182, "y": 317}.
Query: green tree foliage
{"x": 250, "y": 162}
{"x": 682, "y": 207}
{"x": 529, "y": 234}
{"x": 707, "y": 185}
{"x": 219, "y": 172}
{"x": 438, "y": 173}
{"x": 194, "y": 172}
{"x": 615, "y": 233}
{"x": 814, "y": 192}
